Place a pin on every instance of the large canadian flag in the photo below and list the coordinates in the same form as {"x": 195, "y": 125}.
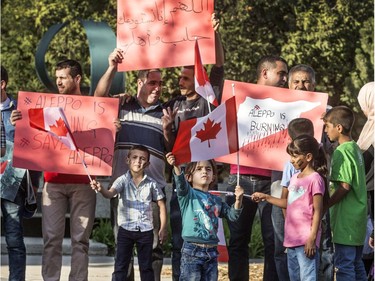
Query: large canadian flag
{"x": 202, "y": 83}
{"x": 53, "y": 121}
{"x": 208, "y": 137}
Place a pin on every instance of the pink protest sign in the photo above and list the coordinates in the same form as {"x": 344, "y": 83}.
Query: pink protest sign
{"x": 91, "y": 124}
{"x": 162, "y": 33}
{"x": 263, "y": 115}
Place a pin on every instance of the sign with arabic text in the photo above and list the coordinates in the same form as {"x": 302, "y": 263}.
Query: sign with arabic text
{"x": 162, "y": 33}
{"x": 91, "y": 123}
{"x": 263, "y": 115}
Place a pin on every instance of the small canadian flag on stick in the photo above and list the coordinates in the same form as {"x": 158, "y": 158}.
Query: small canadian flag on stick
{"x": 53, "y": 121}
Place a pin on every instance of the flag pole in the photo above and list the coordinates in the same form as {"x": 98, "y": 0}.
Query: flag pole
{"x": 238, "y": 152}
{"x": 84, "y": 165}
{"x": 226, "y": 193}
{"x": 208, "y": 104}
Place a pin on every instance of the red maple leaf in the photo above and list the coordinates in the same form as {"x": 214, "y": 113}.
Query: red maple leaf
{"x": 60, "y": 129}
{"x": 209, "y": 132}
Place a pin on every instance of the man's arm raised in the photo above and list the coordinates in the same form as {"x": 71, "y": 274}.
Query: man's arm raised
{"x": 219, "y": 50}
{"x": 104, "y": 84}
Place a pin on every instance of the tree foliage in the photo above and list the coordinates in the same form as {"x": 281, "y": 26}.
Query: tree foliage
{"x": 25, "y": 23}
{"x": 335, "y": 37}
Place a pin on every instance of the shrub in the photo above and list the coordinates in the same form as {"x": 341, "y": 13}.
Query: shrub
{"x": 103, "y": 233}
{"x": 256, "y": 247}
{"x": 256, "y": 243}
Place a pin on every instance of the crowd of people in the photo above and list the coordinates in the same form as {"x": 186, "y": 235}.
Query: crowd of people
{"x": 313, "y": 214}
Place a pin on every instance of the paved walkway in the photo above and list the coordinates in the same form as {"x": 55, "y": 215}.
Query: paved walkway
{"x": 100, "y": 268}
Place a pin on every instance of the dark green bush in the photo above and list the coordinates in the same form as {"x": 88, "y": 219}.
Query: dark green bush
{"x": 103, "y": 233}
{"x": 256, "y": 246}
{"x": 256, "y": 243}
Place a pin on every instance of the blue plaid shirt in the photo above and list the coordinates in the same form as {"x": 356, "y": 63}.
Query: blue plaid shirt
{"x": 135, "y": 209}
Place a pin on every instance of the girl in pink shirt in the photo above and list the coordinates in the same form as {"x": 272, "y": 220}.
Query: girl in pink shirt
{"x": 304, "y": 207}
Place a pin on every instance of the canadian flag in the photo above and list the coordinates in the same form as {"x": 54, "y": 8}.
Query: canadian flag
{"x": 208, "y": 137}
{"x": 202, "y": 83}
{"x": 53, "y": 121}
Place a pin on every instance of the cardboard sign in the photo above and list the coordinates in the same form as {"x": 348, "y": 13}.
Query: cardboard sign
{"x": 263, "y": 115}
{"x": 162, "y": 33}
{"x": 91, "y": 122}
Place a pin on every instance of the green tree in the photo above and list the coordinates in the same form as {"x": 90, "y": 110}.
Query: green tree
{"x": 251, "y": 30}
{"x": 335, "y": 37}
{"x": 329, "y": 36}
{"x": 23, "y": 24}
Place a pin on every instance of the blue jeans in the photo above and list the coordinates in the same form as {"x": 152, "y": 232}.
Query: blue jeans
{"x": 240, "y": 231}
{"x": 281, "y": 259}
{"x": 300, "y": 267}
{"x": 198, "y": 263}
{"x": 349, "y": 264}
{"x": 13, "y": 230}
{"x": 125, "y": 244}
{"x": 157, "y": 249}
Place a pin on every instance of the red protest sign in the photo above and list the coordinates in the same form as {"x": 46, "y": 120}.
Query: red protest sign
{"x": 91, "y": 124}
{"x": 162, "y": 33}
{"x": 263, "y": 115}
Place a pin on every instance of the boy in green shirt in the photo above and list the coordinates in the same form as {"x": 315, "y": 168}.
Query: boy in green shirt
{"x": 349, "y": 200}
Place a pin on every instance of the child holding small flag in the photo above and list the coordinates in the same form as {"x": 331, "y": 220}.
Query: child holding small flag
{"x": 200, "y": 211}
{"x": 197, "y": 99}
{"x": 135, "y": 220}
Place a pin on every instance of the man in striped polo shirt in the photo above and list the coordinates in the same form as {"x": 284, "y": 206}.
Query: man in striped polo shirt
{"x": 141, "y": 123}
